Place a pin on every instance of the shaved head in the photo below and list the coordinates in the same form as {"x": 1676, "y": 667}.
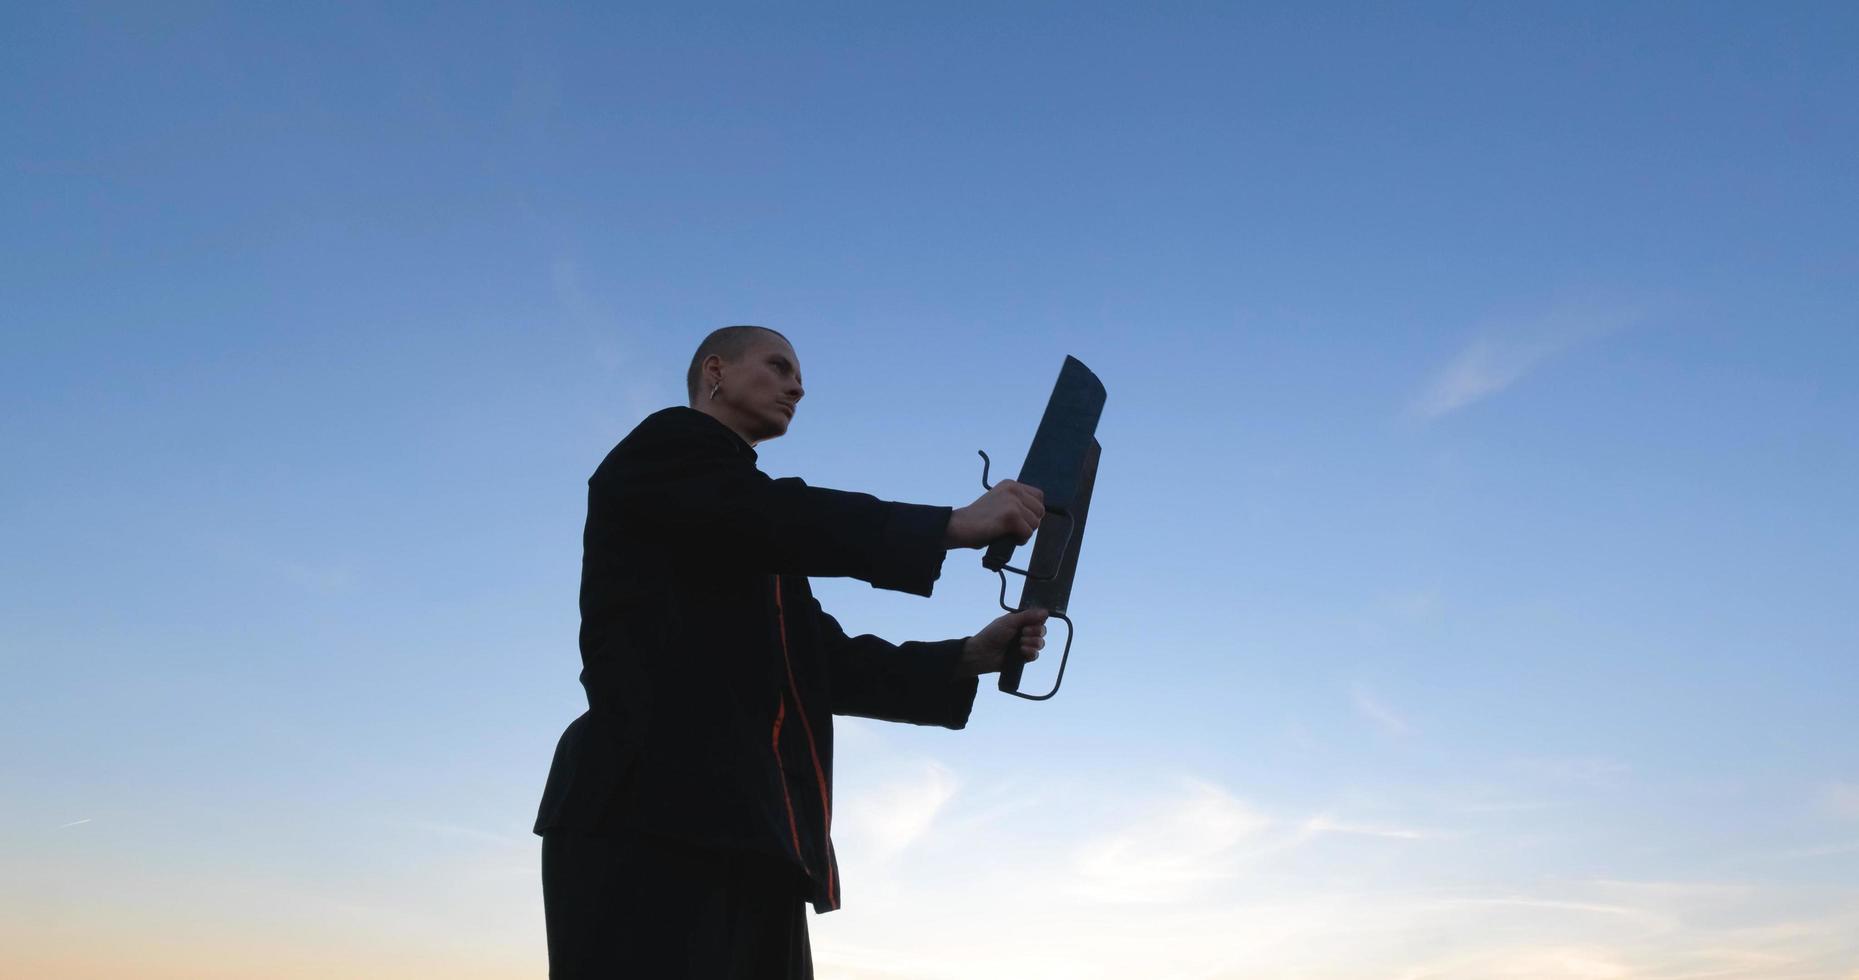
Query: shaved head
{"x": 728, "y": 343}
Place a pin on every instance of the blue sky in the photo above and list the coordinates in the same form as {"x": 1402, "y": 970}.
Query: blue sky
{"x": 1469, "y": 583}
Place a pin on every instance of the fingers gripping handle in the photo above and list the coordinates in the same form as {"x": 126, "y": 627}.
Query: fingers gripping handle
{"x": 1013, "y": 666}
{"x": 1019, "y": 667}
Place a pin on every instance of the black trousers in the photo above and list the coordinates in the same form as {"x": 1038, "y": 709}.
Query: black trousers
{"x": 633, "y": 905}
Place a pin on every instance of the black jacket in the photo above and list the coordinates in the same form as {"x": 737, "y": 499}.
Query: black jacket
{"x": 712, "y": 674}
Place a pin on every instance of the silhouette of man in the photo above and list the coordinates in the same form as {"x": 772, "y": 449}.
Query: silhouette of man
{"x": 688, "y": 813}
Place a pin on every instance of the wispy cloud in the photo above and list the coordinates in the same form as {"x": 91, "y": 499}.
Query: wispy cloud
{"x": 881, "y": 821}
{"x": 1481, "y": 370}
{"x": 1415, "y": 604}
{"x": 1369, "y": 706}
{"x": 1579, "y": 770}
{"x": 1084, "y": 892}
{"x": 330, "y": 578}
{"x": 1801, "y": 853}
{"x": 1324, "y": 823}
{"x": 1642, "y": 915}
{"x": 1083, "y": 883}
{"x": 324, "y": 575}
{"x": 1165, "y": 854}
{"x": 446, "y": 830}
{"x": 602, "y": 329}
{"x": 74, "y": 823}
{"x": 1502, "y": 355}
{"x": 1841, "y": 800}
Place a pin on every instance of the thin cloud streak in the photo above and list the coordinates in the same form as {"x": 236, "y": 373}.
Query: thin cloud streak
{"x": 1177, "y": 848}
{"x": 1371, "y": 707}
{"x": 1653, "y": 919}
{"x": 603, "y": 332}
{"x": 1501, "y": 357}
{"x": 1240, "y": 893}
{"x": 1841, "y": 800}
{"x": 886, "y": 819}
{"x": 1323, "y": 823}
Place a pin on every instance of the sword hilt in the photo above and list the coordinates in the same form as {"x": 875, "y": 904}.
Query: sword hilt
{"x": 1013, "y": 667}
{"x": 1000, "y": 551}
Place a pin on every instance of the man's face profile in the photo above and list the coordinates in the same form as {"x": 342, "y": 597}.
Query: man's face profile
{"x": 760, "y": 390}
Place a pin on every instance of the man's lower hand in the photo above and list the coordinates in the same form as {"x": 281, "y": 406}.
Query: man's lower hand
{"x": 1021, "y": 634}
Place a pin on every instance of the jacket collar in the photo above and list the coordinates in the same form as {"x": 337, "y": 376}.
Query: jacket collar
{"x": 741, "y": 445}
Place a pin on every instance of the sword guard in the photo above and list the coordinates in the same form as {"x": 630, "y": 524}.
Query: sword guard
{"x": 997, "y": 554}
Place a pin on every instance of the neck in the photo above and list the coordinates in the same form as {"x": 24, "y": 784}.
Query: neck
{"x": 733, "y": 425}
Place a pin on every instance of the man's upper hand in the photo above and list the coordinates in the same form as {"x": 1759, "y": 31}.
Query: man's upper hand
{"x": 1010, "y": 510}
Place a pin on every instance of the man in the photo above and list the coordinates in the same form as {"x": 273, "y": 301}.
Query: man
{"x": 688, "y": 813}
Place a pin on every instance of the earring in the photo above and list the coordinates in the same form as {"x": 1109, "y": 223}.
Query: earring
{"x": 713, "y": 390}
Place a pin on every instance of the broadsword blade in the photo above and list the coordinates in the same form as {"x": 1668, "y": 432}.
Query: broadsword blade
{"x": 1061, "y": 539}
{"x": 1055, "y": 462}
{"x": 1058, "y": 545}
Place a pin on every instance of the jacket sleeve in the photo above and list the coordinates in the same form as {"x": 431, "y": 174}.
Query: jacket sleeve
{"x": 909, "y": 682}
{"x": 699, "y": 495}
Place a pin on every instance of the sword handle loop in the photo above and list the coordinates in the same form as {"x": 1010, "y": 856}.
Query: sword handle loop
{"x": 1012, "y": 669}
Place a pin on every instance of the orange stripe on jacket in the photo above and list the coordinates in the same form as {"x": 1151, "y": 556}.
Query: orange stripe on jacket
{"x": 819, "y": 771}
{"x": 793, "y": 829}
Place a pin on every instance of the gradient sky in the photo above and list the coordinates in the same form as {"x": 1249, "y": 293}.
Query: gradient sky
{"x": 1471, "y": 578}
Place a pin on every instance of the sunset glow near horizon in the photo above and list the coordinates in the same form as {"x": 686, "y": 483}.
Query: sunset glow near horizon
{"x": 1471, "y": 569}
